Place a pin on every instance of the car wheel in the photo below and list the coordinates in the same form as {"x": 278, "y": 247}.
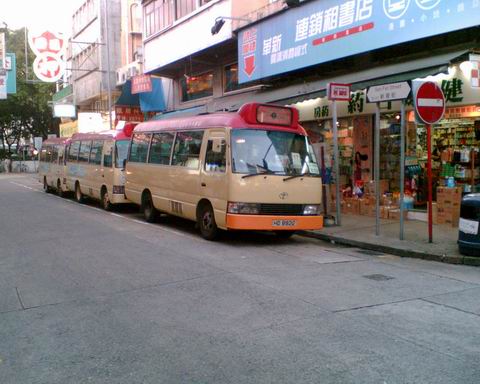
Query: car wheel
{"x": 206, "y": 222}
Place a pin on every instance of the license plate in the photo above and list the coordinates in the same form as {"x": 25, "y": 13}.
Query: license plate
{"x": 284, "y": 223}
{"x": 468, "y": 226}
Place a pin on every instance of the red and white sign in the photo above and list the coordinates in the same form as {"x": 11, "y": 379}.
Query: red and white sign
{"x": 337, "y": 91}
{"x": 475, "y": 74}
{"x": 49, "y": 47}
{"x": 141, "y": 84}
{"x": 249, "y": 47}
{"x": 430, "y": 102}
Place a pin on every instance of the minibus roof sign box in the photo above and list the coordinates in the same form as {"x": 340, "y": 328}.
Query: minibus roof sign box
{"x": 254, "y": 113}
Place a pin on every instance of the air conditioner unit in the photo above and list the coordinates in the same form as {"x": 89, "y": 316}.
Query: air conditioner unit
{"x": 121, "y": 76}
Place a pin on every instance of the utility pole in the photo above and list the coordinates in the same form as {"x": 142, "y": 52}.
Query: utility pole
{"x": 107, "y": 45}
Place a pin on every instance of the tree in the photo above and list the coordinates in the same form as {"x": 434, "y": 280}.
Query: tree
{"x": 27, "y": 113}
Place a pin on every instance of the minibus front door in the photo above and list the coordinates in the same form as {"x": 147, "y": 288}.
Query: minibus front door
{"x": 213, "y": 174}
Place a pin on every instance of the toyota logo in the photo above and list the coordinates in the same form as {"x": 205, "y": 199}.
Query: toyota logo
{"x": 283, "y": 195}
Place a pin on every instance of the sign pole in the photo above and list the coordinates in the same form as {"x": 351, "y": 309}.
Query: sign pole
{"x": 337, "y": 162}
{"x": 429, "y": 176}
{"x": 376, "y": 160}
{"x": 402, "y": 168}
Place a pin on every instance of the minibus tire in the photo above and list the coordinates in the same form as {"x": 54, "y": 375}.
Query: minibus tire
{"x": 284, "y": 235}
{"x": 106, "y": 203}
{"x": 59, "y": 189}
{"x": 150, "y": 213}
{"x": 79, "y": 198}
{"x": 206, "y": 222}
{"x": 46, "y": 188}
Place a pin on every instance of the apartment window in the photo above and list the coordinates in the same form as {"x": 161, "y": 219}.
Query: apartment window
{"x": 196, "y": 87}
{"x": 158, "y": 15}
{"x": 184, "y": 7}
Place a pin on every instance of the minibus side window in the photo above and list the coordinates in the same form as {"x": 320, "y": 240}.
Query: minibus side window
{"x": 215, "y": 159}
{"x": 73, "y": 151}
{"x": 54, "y": 157}
{"x": 161, "y": 148}
{"x": 108, "y": 157}
{"x": 139, "y": 148}
{"x": 60, "y": 154}
{"x": 84, "y": 153}
{"x": 96, "y": 153}
{"x": 187, "y": 149}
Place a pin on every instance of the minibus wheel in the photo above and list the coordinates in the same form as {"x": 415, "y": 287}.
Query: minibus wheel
{"x": 59, "y": 189}
{"x": 284, "y": 234}
{"x": 78, "y": 194}
{"x": 46, "y": 188}
{"x": 149, "y": 211}
{"x": 206, "y": 222}
{"x": 106, "y": 204}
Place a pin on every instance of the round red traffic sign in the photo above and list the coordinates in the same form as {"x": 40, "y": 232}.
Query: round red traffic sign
{"x": 430, "y": 102}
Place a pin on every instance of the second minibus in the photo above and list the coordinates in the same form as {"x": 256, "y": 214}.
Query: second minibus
{"x": 51, "y": 167}
{"x": 250, "y": 170}
{"x": 95, "y": 166}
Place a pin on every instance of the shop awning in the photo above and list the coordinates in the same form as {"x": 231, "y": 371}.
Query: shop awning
{"x": 153, "y": 101}
{"x": 360, "y": 80}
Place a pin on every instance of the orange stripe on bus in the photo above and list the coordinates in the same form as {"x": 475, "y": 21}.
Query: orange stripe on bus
{"x": 261, "y": 222}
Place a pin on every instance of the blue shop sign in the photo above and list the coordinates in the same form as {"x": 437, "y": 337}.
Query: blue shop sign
{"x": 12, "y": 73}
{"x": 325, "y": 30}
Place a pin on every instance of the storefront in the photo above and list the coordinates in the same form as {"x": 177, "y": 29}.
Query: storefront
{"x": 455, "y": 143}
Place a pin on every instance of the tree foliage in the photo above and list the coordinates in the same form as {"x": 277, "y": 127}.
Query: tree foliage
{"x": 27, "y": 113}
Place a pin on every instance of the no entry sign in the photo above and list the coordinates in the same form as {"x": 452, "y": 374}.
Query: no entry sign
{"x": 430, "y": 103}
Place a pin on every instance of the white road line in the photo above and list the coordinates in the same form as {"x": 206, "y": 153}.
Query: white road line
{"x": 139, "y": 221}
{"x": 117, "y": 215}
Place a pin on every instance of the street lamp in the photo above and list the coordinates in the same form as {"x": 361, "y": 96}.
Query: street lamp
{"x": 220, "y": 20}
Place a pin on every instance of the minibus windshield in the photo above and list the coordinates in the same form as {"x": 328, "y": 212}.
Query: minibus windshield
{"x": 272, "y": 152}
{"x": 121, "y": 150}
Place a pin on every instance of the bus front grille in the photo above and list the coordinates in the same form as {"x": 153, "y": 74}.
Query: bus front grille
{"x": 281, "y": 209}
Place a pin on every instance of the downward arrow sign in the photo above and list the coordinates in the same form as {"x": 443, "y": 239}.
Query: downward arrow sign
{"x": 249, "y": 66}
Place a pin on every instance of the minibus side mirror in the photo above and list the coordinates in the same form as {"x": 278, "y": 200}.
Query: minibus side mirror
{"x": 124, "y": 164}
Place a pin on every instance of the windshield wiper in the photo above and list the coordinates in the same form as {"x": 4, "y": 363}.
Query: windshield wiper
{"x": 265, "y": 171}
{"x": 301, "y": 175}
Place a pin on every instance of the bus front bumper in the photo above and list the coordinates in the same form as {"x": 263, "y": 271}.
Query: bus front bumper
{"x": 274, "y": 223}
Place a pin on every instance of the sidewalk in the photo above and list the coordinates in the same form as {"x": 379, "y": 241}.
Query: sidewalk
{"x": 359, "y": 231}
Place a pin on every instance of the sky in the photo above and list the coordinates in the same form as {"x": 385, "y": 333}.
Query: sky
{"x": 38, "y": 14}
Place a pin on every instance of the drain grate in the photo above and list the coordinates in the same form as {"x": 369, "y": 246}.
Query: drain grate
{"x": 369, "y": 252}
{"x": 378, "y": 277}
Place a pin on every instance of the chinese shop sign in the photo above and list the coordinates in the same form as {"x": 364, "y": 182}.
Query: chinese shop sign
{"x": 321, "y": 31}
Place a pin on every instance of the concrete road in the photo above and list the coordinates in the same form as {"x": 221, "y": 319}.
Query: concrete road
{"x": 88, "y": 296}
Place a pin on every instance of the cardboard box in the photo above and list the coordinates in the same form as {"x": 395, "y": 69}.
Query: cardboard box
{"x": 369, "y": 187}
{"x": 449, "y": 197}
{"x": 394, "y": 214}
{"x": 434, "y": 213}
{"x": 352, "y": 206}
{"x": 448, "y": 216}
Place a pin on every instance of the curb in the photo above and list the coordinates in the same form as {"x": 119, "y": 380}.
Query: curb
{"x": 466, "y": 260}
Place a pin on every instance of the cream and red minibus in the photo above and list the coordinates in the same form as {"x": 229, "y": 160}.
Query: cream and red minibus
{"x": 250, "y": 170}
{"x": 95, "y": 166}
{"x": 51, "y": 167}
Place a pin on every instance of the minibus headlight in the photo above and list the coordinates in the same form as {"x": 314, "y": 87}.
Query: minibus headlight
{"x": 311, "y": 209}
{"x": 243, "y": 208}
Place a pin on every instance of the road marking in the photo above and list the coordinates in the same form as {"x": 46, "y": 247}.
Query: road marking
{"x": 160, "y": 227}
